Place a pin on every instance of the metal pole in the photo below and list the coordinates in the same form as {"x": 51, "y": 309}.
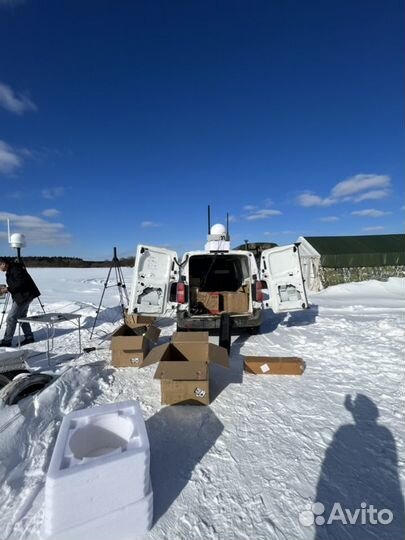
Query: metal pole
{"x": 6, "y": 301}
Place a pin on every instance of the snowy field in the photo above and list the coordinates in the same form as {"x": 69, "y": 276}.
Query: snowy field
{"x": 267, "y": 447}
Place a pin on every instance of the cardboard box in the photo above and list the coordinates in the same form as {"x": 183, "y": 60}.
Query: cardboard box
{"x": 235, "y": 302}
{"x": 185, "y": 392}
{"x": 211, "y": 301}
{"x": 130, "y": 346}
{"x": 133, "y": 320}
{"x": 274, "y": 365}
{"x": 183, "y": 367}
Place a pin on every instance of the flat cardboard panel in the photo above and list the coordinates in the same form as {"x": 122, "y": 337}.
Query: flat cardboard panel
{"x": 182, "y": 371}
{"x": 236, "y": 302}
{"x": 274, "y": 365}
{"x": 152, "y": 334}
{"x": 187, "y": 337}
{"x": 218, "y": 355}
{"x": 134, "y": 343}
{"x": 185, "y": 392}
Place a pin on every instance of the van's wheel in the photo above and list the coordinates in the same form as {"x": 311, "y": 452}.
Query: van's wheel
{"x": 22, "y": 387}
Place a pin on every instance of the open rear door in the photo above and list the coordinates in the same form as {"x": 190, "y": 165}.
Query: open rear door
{"x": 154, "y": 272}
{"x": 280, "y": 268}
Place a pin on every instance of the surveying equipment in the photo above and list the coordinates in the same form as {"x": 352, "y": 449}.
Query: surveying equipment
{"x": 120, "y": 283}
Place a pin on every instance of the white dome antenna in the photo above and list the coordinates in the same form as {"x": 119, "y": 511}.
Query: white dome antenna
{"x": 218, "y": 229}
{"x": 218, "y": 235}
{"x": 16, "y": 241}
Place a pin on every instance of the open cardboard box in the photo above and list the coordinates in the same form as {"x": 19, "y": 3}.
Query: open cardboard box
{"x": 274, "y": 365}
{"x": 183, "y": 367}
{"x": 133, "y": 320}
{"x": 130, "y": 346}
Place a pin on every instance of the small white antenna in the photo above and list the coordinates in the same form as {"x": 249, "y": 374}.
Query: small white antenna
{"x": 16, "y": 241}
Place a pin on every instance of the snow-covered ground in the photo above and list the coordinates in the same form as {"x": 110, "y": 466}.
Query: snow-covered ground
{"x": 248, "y": 465}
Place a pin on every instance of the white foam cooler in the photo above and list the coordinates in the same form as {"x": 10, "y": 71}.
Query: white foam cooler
{"x": 98, "y": 481}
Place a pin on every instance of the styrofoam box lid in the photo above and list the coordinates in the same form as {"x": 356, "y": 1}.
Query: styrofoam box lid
{"x": 103, "y": 433}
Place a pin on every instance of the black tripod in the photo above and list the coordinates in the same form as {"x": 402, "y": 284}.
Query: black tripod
{"x": 120, "y": 283}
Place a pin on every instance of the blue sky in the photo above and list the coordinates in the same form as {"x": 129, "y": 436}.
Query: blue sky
{"x": 121, "y": 121}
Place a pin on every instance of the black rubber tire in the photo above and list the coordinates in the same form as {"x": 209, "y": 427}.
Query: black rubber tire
{"x": 23, "y": 387}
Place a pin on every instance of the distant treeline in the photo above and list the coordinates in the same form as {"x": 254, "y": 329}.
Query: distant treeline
{"x": 72, "y": 262}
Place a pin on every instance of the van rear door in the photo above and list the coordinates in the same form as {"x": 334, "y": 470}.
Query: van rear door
{"x": 154, "y": 272}
{"x": 280, "y": 268}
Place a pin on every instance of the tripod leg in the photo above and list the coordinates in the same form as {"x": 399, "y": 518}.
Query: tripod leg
{"x": 101, "y": 300}
{"x": 123, "y": 285}
{"x": 41, "y": 304}
{"x": 6, "y": 301}
{"x": 121, "y": 288}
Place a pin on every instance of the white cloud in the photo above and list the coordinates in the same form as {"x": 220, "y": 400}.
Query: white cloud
{"x": 369, "y": 229}
{"x": 265, "y": 213}
{"x": 370, "y": 212}
{"x": 329, "y": 219}
{"x": 149, "y": 224}
{"x": 53, "y": 193}
{"x": 268, "y": 202}
{"x": 360, "y": 182}
{"x": 373, "y": 195}
{"x": 357, "y": 188}
{"x": 10, "y": 161}
{"x": 15, "y": 103}
{"x": 51, "y": 212}
{"x": 249, "y": 207}
{"x": 37, "y": 230}
{"x": 310, "y": 199}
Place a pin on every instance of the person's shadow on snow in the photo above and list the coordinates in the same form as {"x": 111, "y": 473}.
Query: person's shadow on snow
{"x": 360, "y": 471}
{"x": 179, "y": 437}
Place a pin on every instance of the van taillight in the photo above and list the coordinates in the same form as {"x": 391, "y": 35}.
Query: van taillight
{"x": 181, "y": 293}
{"x": 259, "y": 291}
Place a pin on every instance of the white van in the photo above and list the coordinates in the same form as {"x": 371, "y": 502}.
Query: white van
{"x": 205, "y": 284}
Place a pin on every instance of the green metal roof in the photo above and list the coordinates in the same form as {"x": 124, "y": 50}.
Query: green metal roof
{"x": 352, "y": 251}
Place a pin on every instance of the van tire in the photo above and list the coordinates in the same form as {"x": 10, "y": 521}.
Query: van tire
{"x": 23, "y": 387}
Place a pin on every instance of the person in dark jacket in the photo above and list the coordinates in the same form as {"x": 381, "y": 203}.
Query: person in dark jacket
{"x": 23, "y": 290}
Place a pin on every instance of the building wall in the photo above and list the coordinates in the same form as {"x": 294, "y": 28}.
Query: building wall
{"x": 334, "y": 276}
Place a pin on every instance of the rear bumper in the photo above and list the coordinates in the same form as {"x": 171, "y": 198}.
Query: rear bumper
{"x": 212, "y": 322}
